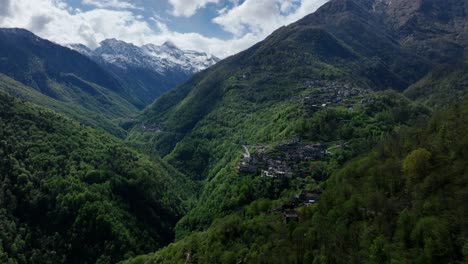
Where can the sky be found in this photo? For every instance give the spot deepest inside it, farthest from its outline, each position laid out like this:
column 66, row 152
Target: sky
column 218, row 27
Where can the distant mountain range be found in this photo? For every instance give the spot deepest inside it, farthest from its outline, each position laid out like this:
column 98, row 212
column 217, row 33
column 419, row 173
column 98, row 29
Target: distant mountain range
column 160, row 59
column 149, row 70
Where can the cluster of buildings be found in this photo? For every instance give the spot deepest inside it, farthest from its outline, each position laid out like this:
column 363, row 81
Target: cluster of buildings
column 328, row 93
column 278, row 162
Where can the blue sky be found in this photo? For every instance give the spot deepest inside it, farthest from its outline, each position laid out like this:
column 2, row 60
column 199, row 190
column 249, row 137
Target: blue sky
column 219, row 27
column 200, row 22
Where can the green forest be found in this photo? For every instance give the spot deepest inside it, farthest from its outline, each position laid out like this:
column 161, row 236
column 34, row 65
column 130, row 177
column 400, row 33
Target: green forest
column 71, row 194
column 339, row 138
column 402, row 202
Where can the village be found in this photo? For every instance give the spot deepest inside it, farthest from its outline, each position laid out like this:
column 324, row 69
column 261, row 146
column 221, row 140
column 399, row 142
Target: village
column 332, row 93
column 278, row 162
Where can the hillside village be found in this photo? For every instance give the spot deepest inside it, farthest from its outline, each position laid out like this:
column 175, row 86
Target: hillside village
column 282, row 162
column 333, row 93
column 279, row 161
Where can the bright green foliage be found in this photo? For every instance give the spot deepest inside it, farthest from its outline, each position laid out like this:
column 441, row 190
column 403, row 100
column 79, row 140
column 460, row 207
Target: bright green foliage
column 366, row 214
column 61, row 79
column 70, row 194
column 258, row 96
column 94, row 113
column 417, row 164
column 400, row 202
column 226, row 191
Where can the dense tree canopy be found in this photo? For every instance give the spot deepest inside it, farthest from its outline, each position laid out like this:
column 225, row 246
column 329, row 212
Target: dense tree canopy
column 70, row 194
column 403, row 202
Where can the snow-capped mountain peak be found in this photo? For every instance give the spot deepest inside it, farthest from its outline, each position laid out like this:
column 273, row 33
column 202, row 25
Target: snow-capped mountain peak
column 161, row 59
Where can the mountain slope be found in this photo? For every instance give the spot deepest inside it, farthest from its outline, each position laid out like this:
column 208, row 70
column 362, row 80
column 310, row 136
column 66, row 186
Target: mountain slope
column 87, row 113
column 432, row 29
column 402, row 202
column 344, row 40
column 65, row 76
column 314, row 80
column 70, row 194
column 304, row 144
column 442, row 86
column 147, row 71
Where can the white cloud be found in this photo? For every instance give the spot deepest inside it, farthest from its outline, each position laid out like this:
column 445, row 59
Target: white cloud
column 249, row 23
column 188, row 7
column 262, row 17
column 115, row 4
column 195, row 41
column 55, row 20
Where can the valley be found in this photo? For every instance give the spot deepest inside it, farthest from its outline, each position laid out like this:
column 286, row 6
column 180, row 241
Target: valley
column 339, row 138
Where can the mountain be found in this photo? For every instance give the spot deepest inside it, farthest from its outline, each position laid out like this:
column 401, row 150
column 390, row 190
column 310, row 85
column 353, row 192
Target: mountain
column 71, row 194
column 90, row 112
column 368, row 44
column 354, row 42
column 281, row 118
column 149, row 70
column 62, row 79
column 102, row 88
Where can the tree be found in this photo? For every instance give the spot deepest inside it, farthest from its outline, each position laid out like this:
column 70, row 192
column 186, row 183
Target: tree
column 416, row 165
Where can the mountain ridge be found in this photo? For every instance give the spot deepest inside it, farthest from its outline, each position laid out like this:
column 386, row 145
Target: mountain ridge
column 431, row 28
column 75, row 84
column 149, row 70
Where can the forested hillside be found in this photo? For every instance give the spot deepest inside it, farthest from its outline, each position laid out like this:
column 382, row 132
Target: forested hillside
column 403, row 202
column 443, row 86
column 70, row 194
column 105, row 118
column 103, row 92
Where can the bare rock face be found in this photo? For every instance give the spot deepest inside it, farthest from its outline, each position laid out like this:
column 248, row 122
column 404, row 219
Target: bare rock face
column 436, row 30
